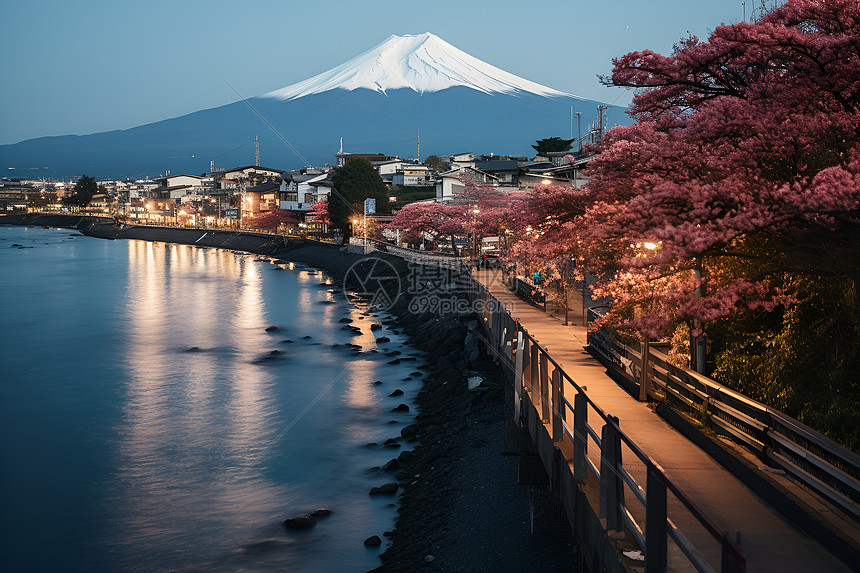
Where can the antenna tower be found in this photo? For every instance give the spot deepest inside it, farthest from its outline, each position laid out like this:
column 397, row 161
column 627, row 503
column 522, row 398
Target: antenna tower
column 257, row 150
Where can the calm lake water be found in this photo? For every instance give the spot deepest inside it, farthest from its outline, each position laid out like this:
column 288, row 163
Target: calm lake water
column 146, row 426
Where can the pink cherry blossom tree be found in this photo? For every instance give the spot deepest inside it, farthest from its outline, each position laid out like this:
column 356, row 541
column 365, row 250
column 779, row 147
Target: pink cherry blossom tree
column 751, row 138
column 319, row 213
column 439, row 220
column 752, row 133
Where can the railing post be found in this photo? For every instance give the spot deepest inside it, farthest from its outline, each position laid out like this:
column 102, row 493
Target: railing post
column 558, row 407
column 491, row 315
column 655, row 522
column 643, row 379
column 611, row 485
column 732, row 560
column 544, row 389
column 580, row 436
column 534, row 364
column 518, row 375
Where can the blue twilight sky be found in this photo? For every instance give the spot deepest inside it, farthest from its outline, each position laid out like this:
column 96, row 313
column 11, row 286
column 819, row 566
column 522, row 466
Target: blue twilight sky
column 97, row 65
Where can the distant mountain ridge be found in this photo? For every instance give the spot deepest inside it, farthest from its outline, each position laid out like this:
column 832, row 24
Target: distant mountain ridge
column 378, row 101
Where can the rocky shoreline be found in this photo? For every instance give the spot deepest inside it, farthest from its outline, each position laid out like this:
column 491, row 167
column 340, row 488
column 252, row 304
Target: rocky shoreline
column 460, row 506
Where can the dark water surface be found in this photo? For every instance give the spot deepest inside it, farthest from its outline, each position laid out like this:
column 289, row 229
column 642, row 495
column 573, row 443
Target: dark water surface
column 146, row 426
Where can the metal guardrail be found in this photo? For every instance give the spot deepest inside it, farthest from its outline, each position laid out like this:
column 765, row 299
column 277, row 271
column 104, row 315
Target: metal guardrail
column 817, row 462
column 411, row 255
column 528, row 292
column 539, row 375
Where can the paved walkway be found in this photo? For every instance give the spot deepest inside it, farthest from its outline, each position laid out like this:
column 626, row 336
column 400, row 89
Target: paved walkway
column 768, row 542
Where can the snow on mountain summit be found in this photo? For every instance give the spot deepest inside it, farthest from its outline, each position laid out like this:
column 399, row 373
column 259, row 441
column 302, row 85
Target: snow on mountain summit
column 421, row 62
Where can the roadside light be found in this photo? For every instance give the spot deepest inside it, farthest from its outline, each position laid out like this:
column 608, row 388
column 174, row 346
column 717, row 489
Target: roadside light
column 546, row 182
column 650, row 246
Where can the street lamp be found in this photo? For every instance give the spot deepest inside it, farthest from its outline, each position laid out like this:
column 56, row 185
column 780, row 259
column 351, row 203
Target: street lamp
column 475, row 212
column 646, row 341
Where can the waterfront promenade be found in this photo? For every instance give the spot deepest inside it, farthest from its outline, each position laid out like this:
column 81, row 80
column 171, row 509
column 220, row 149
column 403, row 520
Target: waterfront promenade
column 769, row 543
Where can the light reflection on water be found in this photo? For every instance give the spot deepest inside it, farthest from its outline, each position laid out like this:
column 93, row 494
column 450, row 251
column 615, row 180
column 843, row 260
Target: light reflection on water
column 194, row 448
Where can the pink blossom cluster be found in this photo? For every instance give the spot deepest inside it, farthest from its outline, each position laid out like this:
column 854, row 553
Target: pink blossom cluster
column 753, row 132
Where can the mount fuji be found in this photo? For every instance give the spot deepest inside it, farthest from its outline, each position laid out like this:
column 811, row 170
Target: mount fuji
column 379, row 101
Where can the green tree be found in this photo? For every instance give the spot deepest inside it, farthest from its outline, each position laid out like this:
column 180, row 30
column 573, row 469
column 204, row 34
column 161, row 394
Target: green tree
column 354, row 182
column 434, row 163
column 82, row 192
column 552, row 144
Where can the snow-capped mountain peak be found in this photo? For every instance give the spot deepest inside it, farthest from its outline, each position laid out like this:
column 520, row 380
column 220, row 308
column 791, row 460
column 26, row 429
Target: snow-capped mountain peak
column 421, row 62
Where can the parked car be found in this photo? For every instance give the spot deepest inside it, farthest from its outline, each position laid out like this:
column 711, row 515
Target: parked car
column 490, row 260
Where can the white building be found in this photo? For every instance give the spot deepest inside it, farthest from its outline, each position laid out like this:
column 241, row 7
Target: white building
column 247, row 175
column 411, row 175
column 452, row 183
column 180, row 180
column 296, row 195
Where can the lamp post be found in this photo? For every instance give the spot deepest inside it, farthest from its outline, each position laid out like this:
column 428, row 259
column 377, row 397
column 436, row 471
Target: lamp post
column 646, row 345
column 475, row 212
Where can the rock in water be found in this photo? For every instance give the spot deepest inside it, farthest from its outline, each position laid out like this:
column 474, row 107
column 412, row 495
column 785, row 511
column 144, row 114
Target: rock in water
column 321, row 512
column 303, row 521
column 373, row 541
column 385, row 489
column 391, row 465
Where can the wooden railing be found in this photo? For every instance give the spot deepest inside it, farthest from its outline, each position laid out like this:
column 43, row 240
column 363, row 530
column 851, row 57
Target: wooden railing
column 564, row 405
column 822, row 465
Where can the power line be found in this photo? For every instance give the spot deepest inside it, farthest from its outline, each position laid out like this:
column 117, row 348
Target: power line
column 269, row 125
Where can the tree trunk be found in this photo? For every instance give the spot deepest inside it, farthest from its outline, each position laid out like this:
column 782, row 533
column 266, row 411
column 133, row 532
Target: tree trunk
column 698, row 344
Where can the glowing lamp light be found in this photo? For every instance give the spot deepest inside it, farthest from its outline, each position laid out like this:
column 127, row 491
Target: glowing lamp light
column 650, row 246
column 546, row 182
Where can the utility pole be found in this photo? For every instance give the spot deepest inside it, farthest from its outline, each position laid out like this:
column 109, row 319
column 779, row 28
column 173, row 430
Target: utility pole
column 571, row 122
column 579, row 130
column 601, row 109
